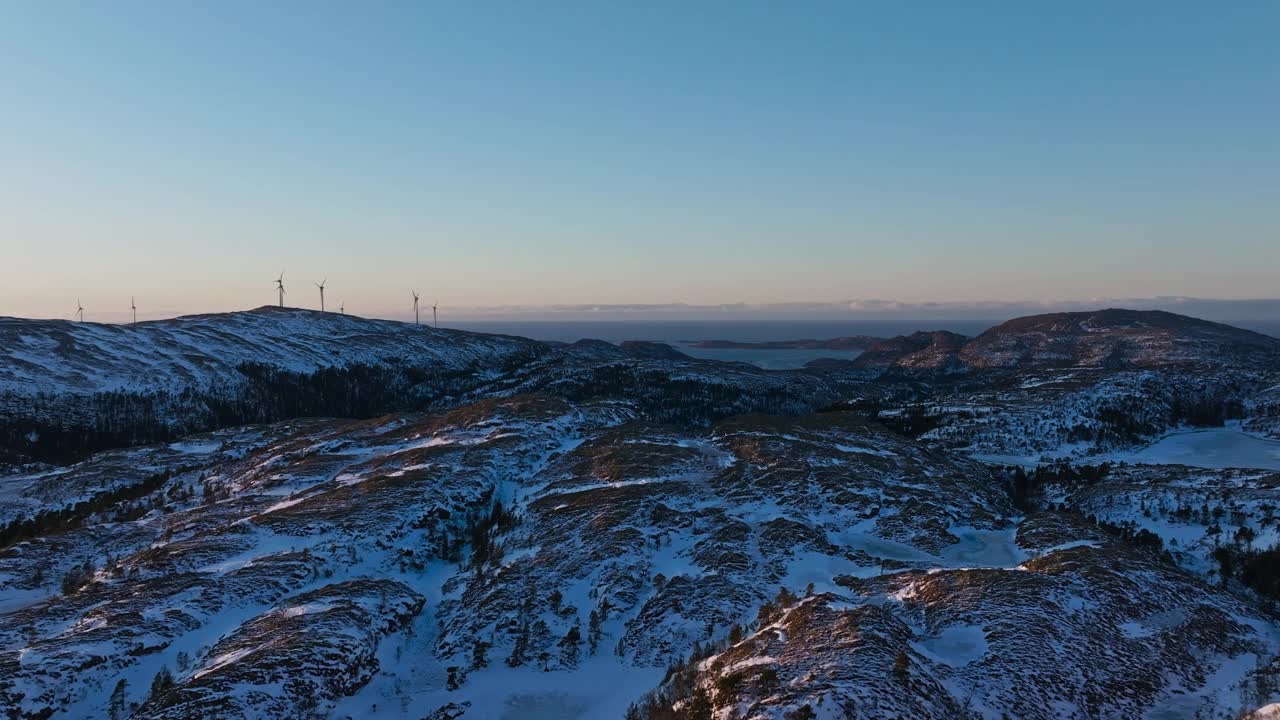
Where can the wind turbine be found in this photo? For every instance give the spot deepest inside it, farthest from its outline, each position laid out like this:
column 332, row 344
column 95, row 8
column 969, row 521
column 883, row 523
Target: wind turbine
column 321, row 286
column 435, row 319
column 415, row 307
column 133, row 306
column 79, row 310
column 280, row 287
column 342, row 307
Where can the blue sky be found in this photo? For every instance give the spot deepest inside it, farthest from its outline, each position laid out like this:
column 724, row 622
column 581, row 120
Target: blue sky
column 540, row 153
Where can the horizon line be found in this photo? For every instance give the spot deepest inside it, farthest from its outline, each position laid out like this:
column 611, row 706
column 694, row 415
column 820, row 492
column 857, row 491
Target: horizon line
column 792, row 311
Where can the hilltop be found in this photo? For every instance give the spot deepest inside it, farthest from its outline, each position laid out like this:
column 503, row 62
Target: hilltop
column 204, row 351
column 1119, row 338
column 1114, row 339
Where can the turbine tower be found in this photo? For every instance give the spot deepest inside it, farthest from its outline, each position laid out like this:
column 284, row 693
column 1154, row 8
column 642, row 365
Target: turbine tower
column 435, row 319
column 133, row 306
column 415, row 307
column 79, row 310
column 280, row 287
column 321, row 286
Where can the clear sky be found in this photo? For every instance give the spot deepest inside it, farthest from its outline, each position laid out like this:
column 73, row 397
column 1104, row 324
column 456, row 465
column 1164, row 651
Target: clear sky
column 706, row 152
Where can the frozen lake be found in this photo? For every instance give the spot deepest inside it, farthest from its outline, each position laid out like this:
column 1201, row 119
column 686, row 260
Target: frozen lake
column 1209, row 448
column 974, row 548
column 956, row 646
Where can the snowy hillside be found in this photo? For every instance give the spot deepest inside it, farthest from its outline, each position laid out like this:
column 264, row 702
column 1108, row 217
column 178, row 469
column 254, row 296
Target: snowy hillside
column 488, row 561
column 67, row 388
column 1114, row 339
column 203, row 352
column 486, row 527
column 1119, row 338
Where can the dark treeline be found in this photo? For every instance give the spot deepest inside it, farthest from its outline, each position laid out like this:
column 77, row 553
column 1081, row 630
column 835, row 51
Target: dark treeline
column 1131, row 533
column 1024, row 486
column 354, row 391
column 67, row 428
column 1024, row 493
column 1206, row 411
column 914, row 421
column 73, row 516
column 450, row 533
column 1133, row 421
column 1256, row 569
column 1117, row 425
column 79, row 425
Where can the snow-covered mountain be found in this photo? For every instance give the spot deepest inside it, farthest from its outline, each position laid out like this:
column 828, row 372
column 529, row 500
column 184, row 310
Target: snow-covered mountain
column 204, row 352
column 595, row 531
column 1113, row 339
column 1119, row 339
column 69, row 388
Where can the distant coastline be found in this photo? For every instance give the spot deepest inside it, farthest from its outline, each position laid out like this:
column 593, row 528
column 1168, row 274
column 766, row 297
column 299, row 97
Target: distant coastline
column 851, row 342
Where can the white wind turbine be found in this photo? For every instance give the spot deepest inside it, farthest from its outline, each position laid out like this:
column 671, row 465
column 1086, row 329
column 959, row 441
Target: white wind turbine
column 321, row 286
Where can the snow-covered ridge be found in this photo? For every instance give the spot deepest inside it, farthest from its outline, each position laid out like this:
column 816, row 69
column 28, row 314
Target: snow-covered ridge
column 67, row 389
column 202, row 352
column 1102, row 339
column 1119, row 338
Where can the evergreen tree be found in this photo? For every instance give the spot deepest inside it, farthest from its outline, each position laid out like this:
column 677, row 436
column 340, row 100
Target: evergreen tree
column 569, row 646
column 901, row 665
column 593, row 631
column 161, row 684
column 118, row 708
column 699, row 706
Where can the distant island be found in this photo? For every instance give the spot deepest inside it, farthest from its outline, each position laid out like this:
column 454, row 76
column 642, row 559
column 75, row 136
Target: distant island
column 852, row 342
